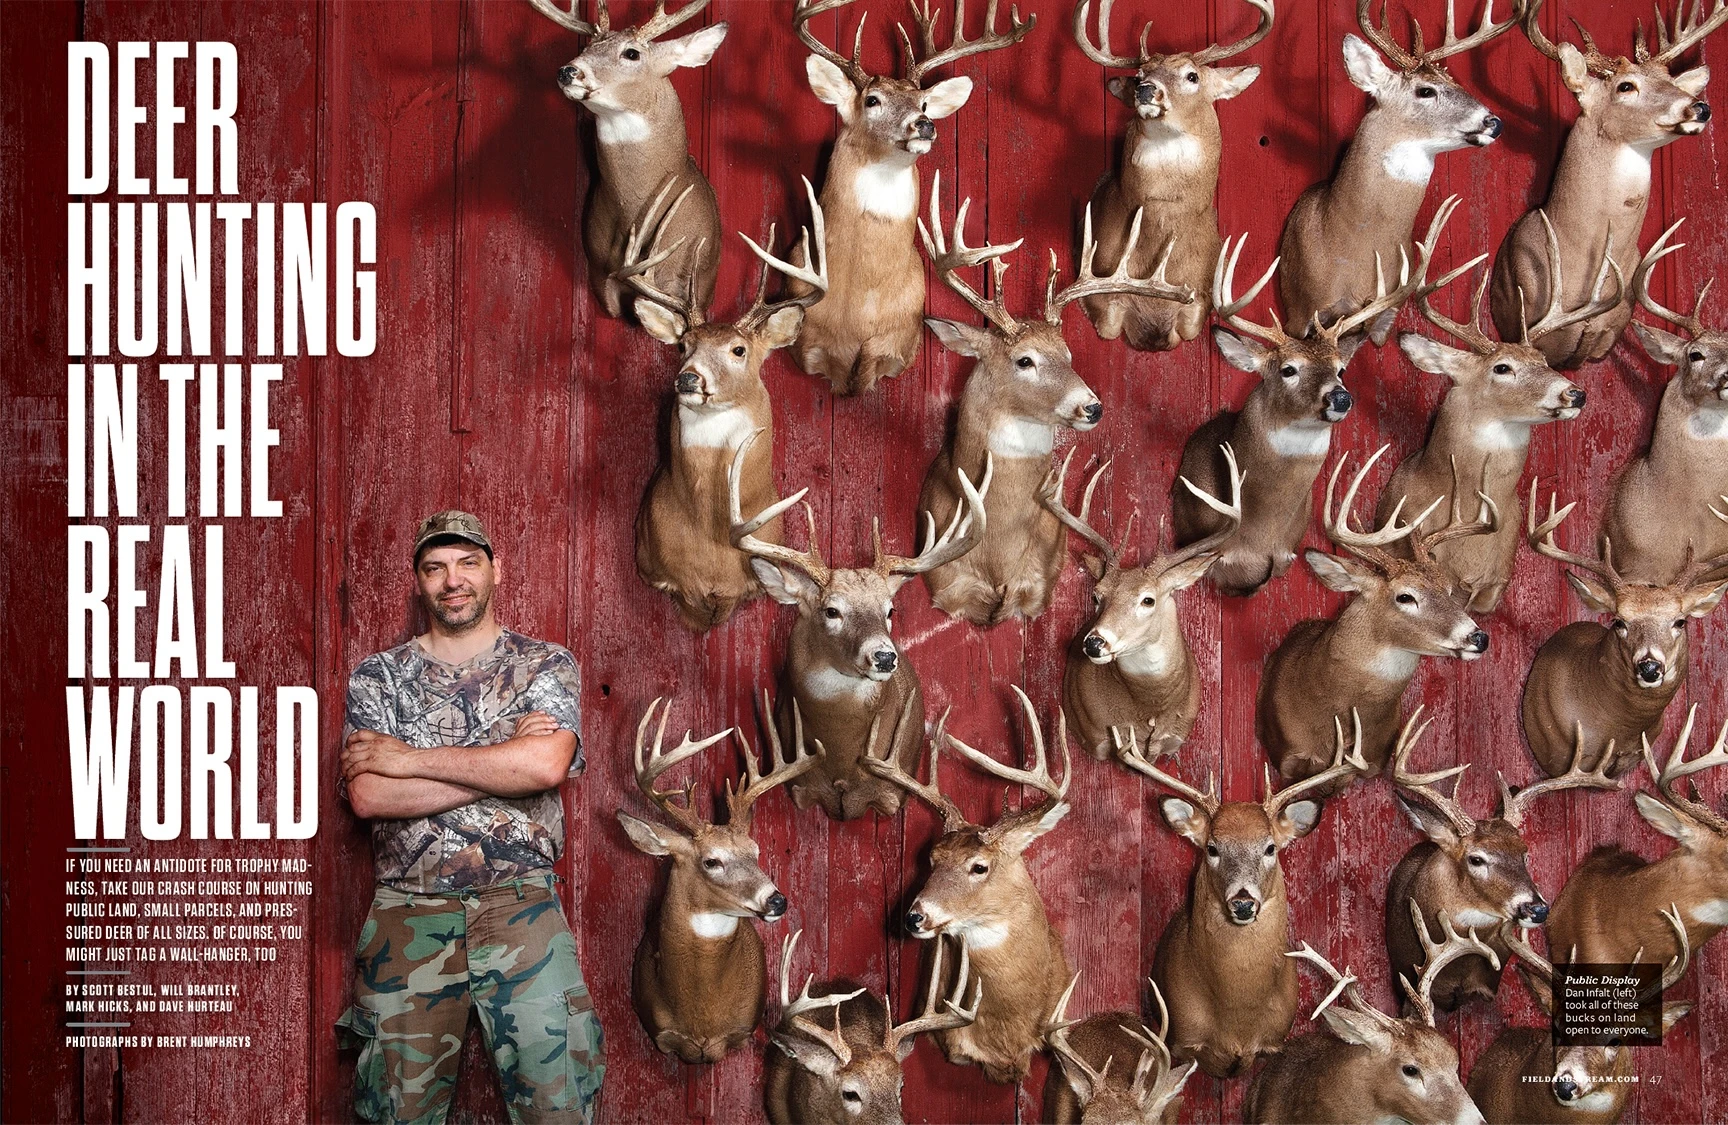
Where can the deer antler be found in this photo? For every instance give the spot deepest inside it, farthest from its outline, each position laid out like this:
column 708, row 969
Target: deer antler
column 743, row 531
column 1086, row 283
column 1469, row 333
column 947, row 261
column 1554, row 318
column 756, row 783
column 1668, row 778
column 889, row 769
column 1056, row 1034
column 1542, row 539
column 990, row 40
column 1487, row 521
column 807, row 10
column 1437, row 955
column 1226, row 307
column 1694, row 323
column 1421, row 785
column 1050, row 495
column 965, row 530
column 1347, row 763
column 1232, row 513
column 957, row 1014
column 1418, row 56
column 1687, row 33
column 638, row 263
column 660, row 23
column 816, row 277
column 1366, row 545
column 1038, row 777
column 793, row 1012
column 1132, row 757
column 1100, row 53
column 567, row 18
column 1514, row 805
column 1409, row 281
column 1598, row 63
column 1344, row 984
column 1217, row 52
column 651, row 763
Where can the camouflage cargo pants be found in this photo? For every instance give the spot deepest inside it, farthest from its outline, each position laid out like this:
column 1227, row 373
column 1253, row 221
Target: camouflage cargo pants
column 505, row 951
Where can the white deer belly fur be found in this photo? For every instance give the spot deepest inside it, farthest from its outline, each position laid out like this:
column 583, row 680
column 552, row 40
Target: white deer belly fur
column 723, row 429
column 831, row 683
column 886, row 191
column 1301, row 439
column 1411, row 162
column 713, row 926
column 619, row 126
column 1016, row 437
column 1711, row 913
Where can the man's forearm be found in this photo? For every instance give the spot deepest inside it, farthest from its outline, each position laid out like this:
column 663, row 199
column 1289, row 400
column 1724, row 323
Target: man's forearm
column 376, row 797
column 516, row 767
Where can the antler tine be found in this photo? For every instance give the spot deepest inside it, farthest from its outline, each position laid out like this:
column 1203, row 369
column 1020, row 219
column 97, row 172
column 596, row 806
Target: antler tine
column 1486, row 30
column 635, row 268
column 1668, row 778
column 1050, row 495
column 792, row 1012
column 758, row 782
column 812, row 272
column 1541, row 538
column 1056, row 1034
column 1132, row 757
column 1381, row 37
column 567, row 19
column 989, row 40
column 1555, row 318
column 1692, row 31
column 1366, row 545
column 965, row 530
column 1676, row 967
column 1347, row 763
column 889, row 769
column 1422, row 785
column 1099, row 52
column 1693, row 324
column 1344, row 984
column 1487, row 519
column 1232, row 512
column 743, row 531
column 1218, row 52
column 805, row 11
column 1087, row 283
column 1437, row 955
column 1514, row 806
column 947, row 261
column 660, row 23
column 1512, row 936
column 1599, row 64
column 956, row 1013
column 1226, row 307
column 1469, row 333
column 650, row 763
column 1038, row 777
column 1409, row 280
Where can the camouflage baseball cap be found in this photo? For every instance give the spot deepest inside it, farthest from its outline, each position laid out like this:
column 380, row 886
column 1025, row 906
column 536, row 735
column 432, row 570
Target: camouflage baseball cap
column 451, row 524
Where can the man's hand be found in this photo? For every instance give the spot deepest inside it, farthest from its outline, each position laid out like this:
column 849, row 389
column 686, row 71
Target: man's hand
column 368, row 751
column 535, row 724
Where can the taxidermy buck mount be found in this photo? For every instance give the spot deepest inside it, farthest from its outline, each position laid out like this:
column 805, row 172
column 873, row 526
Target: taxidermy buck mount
column 837, row 1057
column 1168, row 170
column 1362, row 660
column 1370, row 206
column 871, row 328
column 1614, row 680
column 1022, row 388
column 1221, row 958
column 700, row 980
column 1672, row 496
column 1131, row 668
column 1499, row 390
column 847, row 679
column 1371, row 1067
column 623, row 77
column 1629, row 108
column 980, row 895
column 683, row 530
column 1475, row 872
column 1284, row 430
column 1080, row 1090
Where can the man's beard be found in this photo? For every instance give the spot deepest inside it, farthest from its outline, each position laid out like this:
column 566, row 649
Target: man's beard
column 460, row 619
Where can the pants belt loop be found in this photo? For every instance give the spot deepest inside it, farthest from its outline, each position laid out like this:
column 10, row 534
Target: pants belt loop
column 521, row 892
column 410, row 900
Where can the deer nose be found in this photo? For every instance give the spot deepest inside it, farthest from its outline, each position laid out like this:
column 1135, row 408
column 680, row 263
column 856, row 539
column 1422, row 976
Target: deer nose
column 884, row 659
column 1338, row 403
column 1243, row 909
column 566, row 75
column 1092, row 646
column 689, row 382
column 1649, row 671
column 1476, row 642
column 1535, row 913
column 1574, row 398
column 1564, row 1088
column 776, row 906
column 1491, row 125
column 1093, row 411
column 1700, row 111
column 914, row 921
column 925, row 128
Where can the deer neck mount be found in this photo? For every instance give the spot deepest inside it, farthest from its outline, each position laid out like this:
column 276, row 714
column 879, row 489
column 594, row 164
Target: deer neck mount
column 1168, row 170
column 688, row 990
column 980, row 895
column 1419, row 112
column 1081, row 1088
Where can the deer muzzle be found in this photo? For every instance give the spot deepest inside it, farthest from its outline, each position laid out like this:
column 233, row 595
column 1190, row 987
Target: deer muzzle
column 883, row 662
column 1530, row 913
column 574, row 83
column 689, row 383
column 1571, row 403
column 1096, row 646
column 920, row 924
column 1649, row 672
column 1243, row 908
column 1565, row 1089
column 1474, row 645
column 1151, row 100
column 1336, row 403
column 1486, row 132
column 774, row 908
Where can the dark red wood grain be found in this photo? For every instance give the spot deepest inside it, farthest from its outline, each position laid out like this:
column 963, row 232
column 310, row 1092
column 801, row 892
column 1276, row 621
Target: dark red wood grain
column 498, row 387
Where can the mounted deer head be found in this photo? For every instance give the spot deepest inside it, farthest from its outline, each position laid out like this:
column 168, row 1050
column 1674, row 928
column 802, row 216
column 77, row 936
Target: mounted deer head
column 1080, row 1088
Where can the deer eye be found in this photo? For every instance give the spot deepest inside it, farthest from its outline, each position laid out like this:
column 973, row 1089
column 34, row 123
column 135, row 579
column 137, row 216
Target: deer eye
column 1627, row 88
column 1288, row 371
column 1148, row 600
column 1406, row 598
column 1271, row 849
column 738, row 349
column 1502, row 369
column 1192, row 76
column 1695, row 356
column 1212, row 850
column 1411, row 1070
column 1679, row 624
column 1024, row 361
column 831, row 613
column 872, row 101
column 1424, row 91
column 851, row 1095
column 632, row 53
column 980, row 868
column 1478, row 861
column 711, row 863
column 1617, row 625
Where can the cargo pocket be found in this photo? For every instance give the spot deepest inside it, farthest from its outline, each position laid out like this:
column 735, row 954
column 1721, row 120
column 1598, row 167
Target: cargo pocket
column 358, row 1027
column 587, row 1050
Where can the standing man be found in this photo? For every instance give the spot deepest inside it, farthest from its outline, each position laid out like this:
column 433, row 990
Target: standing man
column 456, row 744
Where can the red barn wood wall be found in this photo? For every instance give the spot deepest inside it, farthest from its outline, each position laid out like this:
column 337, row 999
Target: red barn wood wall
column 497, row 388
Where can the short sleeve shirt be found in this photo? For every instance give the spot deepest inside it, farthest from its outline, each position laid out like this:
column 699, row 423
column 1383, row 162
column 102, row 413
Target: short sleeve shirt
column 411, row 695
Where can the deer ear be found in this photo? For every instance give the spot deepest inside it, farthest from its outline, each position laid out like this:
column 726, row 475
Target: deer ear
column 1591, row 592
column 961, row 339
column 781, row 328
column 1364, row 67
column 1185, row 820
column 1663, row 347
column 1094, row 566
column 659, row 321
column 1300, row 818
column 1337, row 573
column 831, row 86
column 1663, row 818
column 1693, row 81
column 1574, row 70
column 1348, row 345
column 1018, row 839
column 1228, row 81
column 1429, row 823
column 786, row 585
column 1431, row 355
column 1240, row 353
column 1184, row 574
column 650, row 838
column 813, row 1057
column 1700, row 600
column 1354, row 1027
column 1674, row 1012
column 694, row 49
column 1121, row 86
column 946, row 97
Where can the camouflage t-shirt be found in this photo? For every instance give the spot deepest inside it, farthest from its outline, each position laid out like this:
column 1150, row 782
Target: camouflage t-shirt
column 413, row 696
